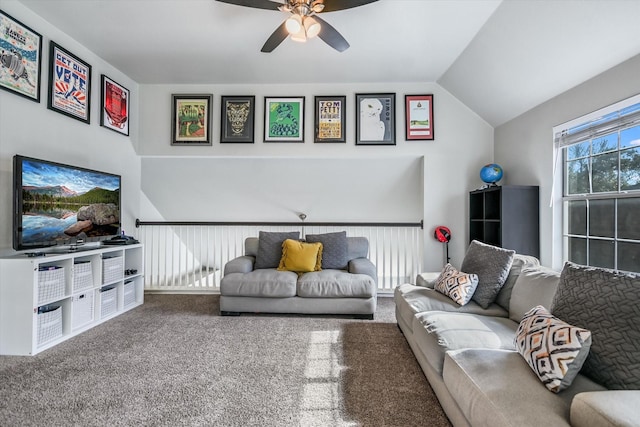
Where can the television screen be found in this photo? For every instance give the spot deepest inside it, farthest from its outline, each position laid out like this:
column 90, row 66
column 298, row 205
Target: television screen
column 57, row 204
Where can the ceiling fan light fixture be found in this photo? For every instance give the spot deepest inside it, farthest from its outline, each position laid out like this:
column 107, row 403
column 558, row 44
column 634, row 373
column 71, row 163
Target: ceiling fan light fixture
column 300, row 36
column 311, row 26
column 294, row 24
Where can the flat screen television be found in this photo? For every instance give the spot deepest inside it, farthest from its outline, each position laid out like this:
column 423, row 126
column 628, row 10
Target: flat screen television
column 56, row 204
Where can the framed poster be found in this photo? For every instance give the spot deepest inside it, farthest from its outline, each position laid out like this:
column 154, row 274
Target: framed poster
column 237, row 119
column 375, row 119
column 330, row 120
column 418, row 112
column 20, row 58
column 69, row 84
column 114, row 106
column 284, row 119
column 191, row 119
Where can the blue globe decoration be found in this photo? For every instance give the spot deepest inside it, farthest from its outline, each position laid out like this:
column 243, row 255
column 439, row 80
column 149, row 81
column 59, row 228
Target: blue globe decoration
column 491, row 173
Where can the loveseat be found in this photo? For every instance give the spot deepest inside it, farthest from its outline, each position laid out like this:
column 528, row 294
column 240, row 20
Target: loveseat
column 267, row 279
column 475, row 356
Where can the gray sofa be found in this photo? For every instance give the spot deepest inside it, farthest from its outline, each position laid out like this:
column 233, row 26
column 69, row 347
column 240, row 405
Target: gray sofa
column 468, row 355
column 350, row 290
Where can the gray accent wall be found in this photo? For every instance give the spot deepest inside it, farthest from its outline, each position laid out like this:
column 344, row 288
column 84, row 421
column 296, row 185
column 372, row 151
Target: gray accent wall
column 524, row 145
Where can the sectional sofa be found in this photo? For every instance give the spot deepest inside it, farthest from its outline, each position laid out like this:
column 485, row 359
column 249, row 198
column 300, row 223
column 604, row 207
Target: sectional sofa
column 495, row 361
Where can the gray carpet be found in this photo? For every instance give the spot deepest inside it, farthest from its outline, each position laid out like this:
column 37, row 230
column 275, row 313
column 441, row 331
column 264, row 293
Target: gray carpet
column 175, row 362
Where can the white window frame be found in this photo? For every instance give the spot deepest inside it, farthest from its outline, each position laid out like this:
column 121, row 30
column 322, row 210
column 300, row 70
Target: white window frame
column 558, row 250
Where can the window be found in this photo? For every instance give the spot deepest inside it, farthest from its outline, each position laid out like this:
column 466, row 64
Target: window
column 601, row 188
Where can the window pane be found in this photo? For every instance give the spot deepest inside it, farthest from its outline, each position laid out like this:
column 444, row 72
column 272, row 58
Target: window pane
column 602, row 218
column 629, row 219
column 601, row 253
column 629, row 256
column 630, row 169
column 605, row 172
column 577, row 151
column 605, row 143
column 630, row 137
column 577, row 217
column 578, row 250
column 578, row 176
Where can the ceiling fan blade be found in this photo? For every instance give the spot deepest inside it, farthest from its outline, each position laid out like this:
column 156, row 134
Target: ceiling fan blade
column 333, row 5
column 275, row 38
column 331, row 36
column 258, row 4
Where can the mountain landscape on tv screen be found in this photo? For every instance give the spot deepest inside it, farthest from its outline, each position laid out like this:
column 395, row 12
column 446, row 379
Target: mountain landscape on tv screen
column 59, row 203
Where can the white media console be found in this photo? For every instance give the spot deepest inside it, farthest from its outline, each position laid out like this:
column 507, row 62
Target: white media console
column 47, row 299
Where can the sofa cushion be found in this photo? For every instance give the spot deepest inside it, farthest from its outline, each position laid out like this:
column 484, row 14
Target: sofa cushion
column 411, row 299
column 535, row 286
column 497, row 388
column 520, row 262
column 606, row 303
column 437, row 332
column 268, row 283
column 335, row 284
column 554, row 349
column 300, row 257
column 456, row 285
column 334, row 249
column 605, row 408
column 492, row 265
column 270, row 247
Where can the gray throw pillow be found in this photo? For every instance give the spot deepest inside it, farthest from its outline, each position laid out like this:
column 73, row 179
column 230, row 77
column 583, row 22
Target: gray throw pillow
column 270, row 247
column 605, row 302
column 492, row 265
column 334, row 249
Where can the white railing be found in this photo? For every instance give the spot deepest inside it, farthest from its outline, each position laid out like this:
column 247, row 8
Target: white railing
column 190, row 256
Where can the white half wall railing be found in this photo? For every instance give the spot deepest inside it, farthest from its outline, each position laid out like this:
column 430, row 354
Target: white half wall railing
column 183, row 257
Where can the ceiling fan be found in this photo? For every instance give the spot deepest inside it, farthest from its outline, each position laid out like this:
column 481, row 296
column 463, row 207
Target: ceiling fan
column 304, row 22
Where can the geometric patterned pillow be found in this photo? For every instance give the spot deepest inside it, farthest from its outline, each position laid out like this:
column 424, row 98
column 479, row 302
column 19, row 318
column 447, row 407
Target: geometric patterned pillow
column 554, row 349
column 456, row 285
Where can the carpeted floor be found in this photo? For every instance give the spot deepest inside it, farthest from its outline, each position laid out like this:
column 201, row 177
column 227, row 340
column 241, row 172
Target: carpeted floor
column 175, row 362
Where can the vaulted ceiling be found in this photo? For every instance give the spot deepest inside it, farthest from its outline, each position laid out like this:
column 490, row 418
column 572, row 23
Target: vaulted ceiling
column 500, row 57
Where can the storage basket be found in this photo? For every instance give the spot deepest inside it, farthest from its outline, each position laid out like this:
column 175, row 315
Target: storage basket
column 50, row 283
column 82, row 309
column 82, row 276
column 129, row 293
column 112, row 269
column 108, row 301
column 49, row 323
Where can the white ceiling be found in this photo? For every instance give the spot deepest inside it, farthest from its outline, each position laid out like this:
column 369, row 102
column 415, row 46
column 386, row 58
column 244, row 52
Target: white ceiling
column 500, row 58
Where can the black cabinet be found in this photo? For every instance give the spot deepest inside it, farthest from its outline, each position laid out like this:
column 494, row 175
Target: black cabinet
column 507, row 216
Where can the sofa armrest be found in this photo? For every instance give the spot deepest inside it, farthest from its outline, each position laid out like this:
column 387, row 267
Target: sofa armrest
column 427, row 279
column 605, row 408
column 241, row 264
column 363, row 266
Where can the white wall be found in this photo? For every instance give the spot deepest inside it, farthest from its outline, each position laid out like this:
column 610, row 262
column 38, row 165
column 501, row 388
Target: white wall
column 30, row 129
column 524, row 145
column 410, row 181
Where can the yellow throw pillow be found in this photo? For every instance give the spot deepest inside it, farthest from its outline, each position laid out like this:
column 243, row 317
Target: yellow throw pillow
column 300, row 257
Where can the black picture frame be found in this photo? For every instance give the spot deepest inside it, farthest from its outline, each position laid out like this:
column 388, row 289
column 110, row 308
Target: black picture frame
column 20, row 73
column 191, row 119
column 284, row 118
column 330, row 119
column 375, row 119
column 115, row 106
column 237, row 119
column 70, row 82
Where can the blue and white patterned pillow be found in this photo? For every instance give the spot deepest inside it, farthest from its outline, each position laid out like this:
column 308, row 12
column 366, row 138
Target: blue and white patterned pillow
column 456, row 285
column 554, row 349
